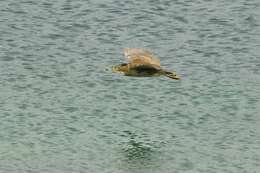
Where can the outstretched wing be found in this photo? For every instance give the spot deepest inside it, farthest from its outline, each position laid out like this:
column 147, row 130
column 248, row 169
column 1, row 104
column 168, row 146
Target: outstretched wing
column 140, row 57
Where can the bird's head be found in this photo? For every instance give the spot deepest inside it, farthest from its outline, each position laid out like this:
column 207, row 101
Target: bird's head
column 120, row 68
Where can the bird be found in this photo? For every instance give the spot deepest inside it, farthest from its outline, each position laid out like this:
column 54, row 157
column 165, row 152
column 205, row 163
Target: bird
column 142, row 63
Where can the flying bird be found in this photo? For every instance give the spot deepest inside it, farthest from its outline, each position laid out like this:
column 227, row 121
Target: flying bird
column 142, row 63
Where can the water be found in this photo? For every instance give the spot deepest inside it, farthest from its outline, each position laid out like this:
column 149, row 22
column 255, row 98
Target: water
column 62, row 112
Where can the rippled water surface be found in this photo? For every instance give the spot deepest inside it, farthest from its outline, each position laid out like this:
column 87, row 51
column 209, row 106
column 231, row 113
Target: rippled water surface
column 62, row 112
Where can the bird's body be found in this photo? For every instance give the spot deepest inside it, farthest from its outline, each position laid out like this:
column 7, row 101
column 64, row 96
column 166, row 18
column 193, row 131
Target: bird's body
column 142, row 63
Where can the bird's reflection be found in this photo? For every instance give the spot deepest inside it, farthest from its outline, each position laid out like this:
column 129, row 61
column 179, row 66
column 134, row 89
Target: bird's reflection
column 137, row 151
column 137, row 154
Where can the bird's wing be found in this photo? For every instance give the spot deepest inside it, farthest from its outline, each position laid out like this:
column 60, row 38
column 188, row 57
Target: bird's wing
column 138, row 57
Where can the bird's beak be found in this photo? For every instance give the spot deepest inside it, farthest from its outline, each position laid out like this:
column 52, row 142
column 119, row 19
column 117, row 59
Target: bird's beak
column 114, row 69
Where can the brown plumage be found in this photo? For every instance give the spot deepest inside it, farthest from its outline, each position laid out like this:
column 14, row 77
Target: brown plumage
column 142, row 63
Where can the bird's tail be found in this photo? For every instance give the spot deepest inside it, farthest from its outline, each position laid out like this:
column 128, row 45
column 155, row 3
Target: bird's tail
column 171, row 75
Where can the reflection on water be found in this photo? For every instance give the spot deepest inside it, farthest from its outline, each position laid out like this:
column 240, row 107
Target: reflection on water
column 137, row 150
column 138, row 156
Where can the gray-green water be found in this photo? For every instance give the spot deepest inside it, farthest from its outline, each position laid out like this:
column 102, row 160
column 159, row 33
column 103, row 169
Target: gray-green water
column 61, row 112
